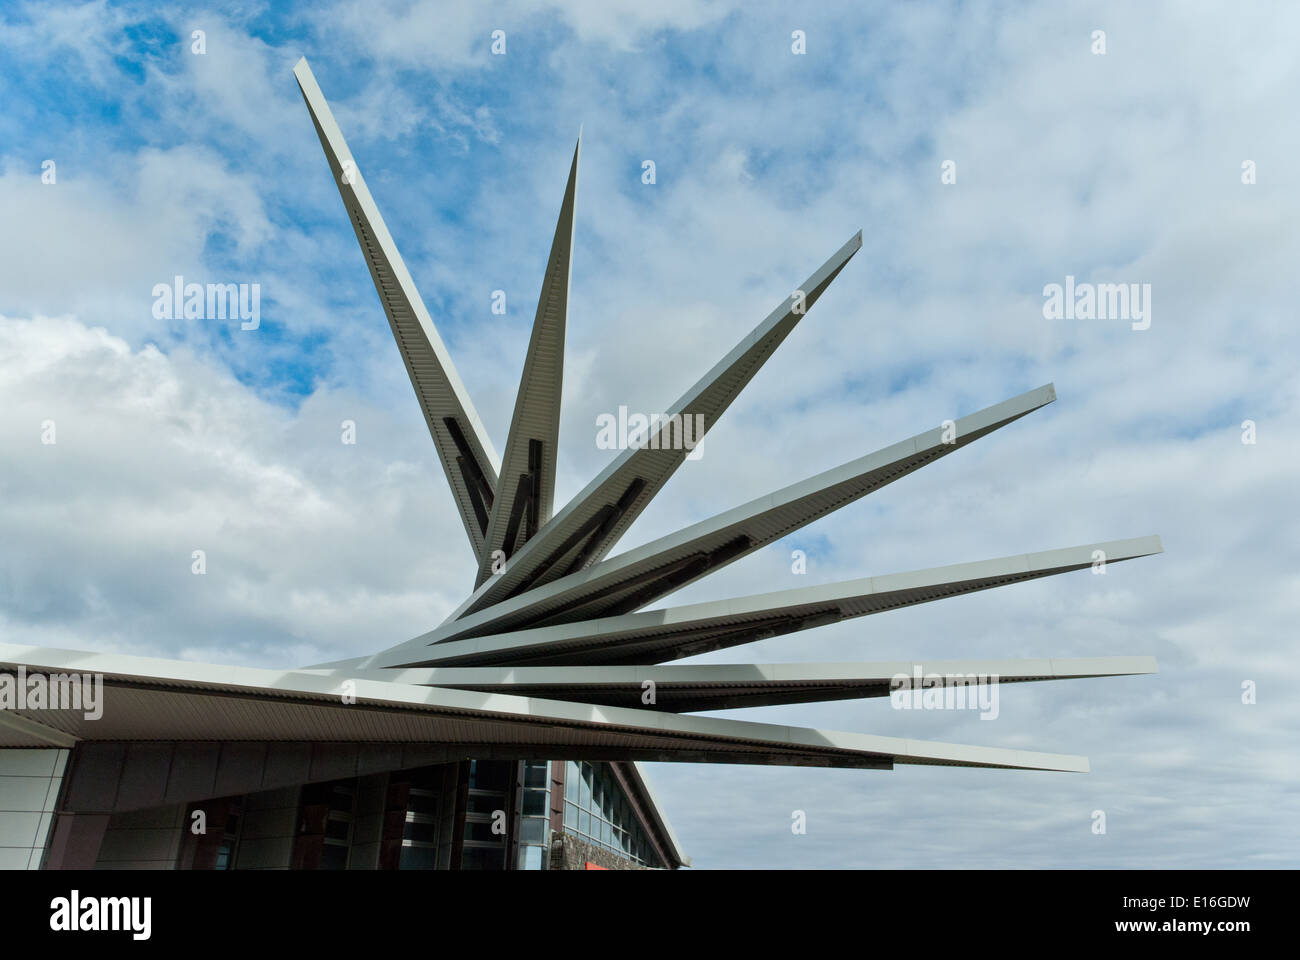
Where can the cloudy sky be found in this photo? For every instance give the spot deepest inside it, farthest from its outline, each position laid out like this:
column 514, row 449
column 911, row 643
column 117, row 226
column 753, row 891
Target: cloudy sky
column 1125, row 166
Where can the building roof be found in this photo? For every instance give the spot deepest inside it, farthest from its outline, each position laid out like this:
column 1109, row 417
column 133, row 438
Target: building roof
column 149, row 698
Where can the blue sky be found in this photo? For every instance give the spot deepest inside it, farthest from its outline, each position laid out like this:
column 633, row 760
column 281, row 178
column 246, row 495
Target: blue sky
column 1122, row 167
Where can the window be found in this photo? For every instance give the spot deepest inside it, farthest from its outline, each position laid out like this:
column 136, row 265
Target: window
column 484, row 838
column 494, row 775
column 601, row 814
column 420, row 832
column 413, row 832
column 534, row 809
column 532, row 830
column 483, row 858
column 482, row 833
column 230, row 835
column 423, row 803
column 535, row 803
column 419, row 858
column 324, row 826
column 334, row 857
column 530, row 858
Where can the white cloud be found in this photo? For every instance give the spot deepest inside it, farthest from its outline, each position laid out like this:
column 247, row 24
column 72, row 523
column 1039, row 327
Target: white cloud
column 96, row 241
column 431, row 35
column 90, row 32
column 313, row 548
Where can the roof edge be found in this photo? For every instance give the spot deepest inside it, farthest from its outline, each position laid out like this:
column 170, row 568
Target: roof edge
column 637, row 772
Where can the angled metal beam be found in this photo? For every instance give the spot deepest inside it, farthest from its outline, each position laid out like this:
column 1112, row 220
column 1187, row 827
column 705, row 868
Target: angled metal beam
column 463, row 446
column 145, row 698
column 529, row 461
column 18, row 731
column 654, row 636
column 730, row 685
column 588, row 527
column 633, row 579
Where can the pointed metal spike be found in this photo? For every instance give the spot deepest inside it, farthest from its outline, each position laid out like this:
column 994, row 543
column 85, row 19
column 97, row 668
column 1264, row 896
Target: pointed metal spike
column 530, row 454
column 641, row 576
column 463, row 446
column 655, row 636
column 725, row 686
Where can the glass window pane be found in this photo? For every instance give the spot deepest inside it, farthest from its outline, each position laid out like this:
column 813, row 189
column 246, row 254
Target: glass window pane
column 532, row 830
column 584, row 822
column 483, row 858
column 426, row 778
column 334, row 857
column 421, row 803
column 491, row 774
column 418, row 858
column 423, row 832
column 571, row 816
column 486, row 803
column 483, row 832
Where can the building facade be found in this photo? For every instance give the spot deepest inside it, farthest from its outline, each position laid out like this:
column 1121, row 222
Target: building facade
column 96, row 808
